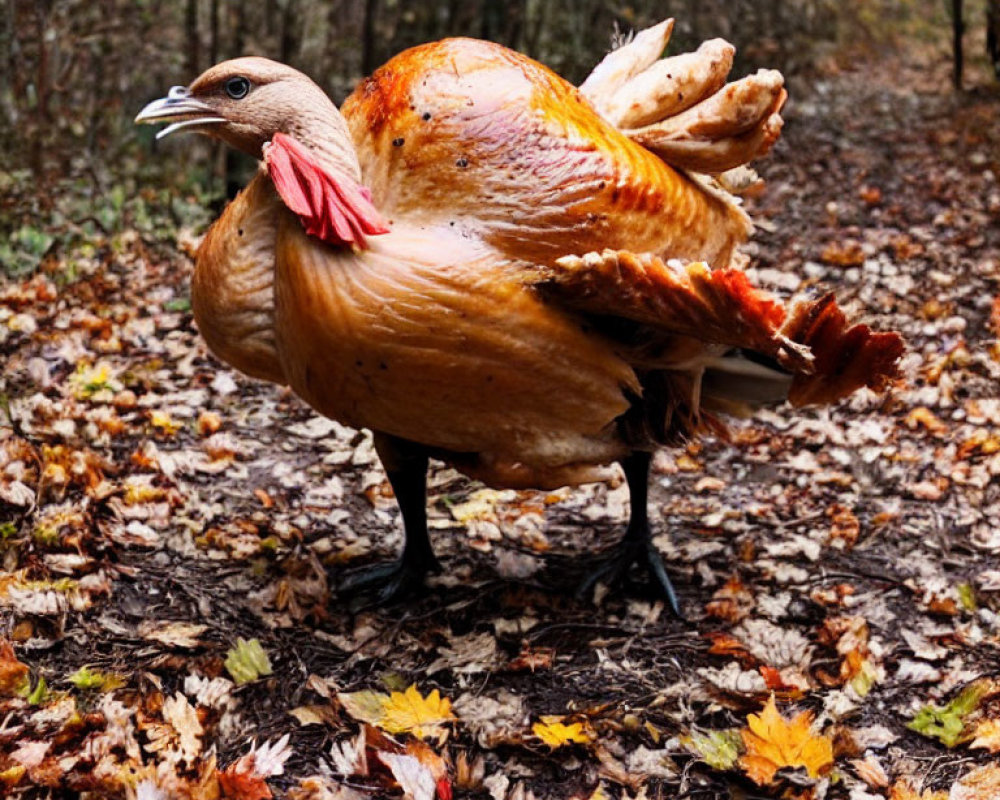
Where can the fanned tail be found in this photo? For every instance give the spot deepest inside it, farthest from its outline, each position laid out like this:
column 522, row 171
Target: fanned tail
column 827, row 358
column 681, row 107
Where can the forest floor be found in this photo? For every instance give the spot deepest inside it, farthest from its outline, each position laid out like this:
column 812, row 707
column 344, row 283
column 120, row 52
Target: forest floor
column 155, row 508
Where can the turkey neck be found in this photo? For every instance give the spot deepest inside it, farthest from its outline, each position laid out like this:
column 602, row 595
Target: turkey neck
column 321, row 128
column 232, row 294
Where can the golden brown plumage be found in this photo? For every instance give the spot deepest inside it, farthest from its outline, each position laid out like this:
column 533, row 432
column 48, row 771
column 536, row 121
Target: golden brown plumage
column 478, row 329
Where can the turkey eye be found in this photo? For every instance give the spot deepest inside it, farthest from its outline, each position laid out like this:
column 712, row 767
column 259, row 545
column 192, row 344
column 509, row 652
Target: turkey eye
column 238, row 88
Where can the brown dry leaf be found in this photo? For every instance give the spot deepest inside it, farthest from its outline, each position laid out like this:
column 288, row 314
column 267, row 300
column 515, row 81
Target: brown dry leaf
column 314, row 715
column 870, row 195
column 848, row 253
column 845, row 526
column 923, row 417
column 982, row 783
column 995, row 316
column 903, row 790
column 772, row 743
column 982, row 441
column 12, row 671
column 725, row 644
column 531, row 659
column 208, row 423
column 173, row 634
column 732, row 602
column 870, row 770
column 184, row 719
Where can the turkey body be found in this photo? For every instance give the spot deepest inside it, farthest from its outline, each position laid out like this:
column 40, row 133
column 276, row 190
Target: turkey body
column 488, row 166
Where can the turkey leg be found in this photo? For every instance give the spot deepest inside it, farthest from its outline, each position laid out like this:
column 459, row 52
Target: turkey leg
column 406, row 466
column 637, row 545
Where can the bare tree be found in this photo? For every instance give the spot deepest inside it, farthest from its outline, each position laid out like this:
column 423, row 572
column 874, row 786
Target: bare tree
column 993, row 34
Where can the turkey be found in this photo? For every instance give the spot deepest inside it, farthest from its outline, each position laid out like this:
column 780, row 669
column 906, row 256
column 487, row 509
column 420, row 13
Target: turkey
column 484, row 264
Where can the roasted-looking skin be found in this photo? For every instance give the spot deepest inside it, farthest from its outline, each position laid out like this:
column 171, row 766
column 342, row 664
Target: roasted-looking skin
column 470, row 132
column 486, row 163
column 479, row 262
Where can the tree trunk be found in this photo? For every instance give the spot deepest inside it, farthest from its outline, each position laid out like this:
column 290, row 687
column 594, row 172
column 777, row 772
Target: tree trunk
column 42, row 85
column 289, row 31
column 993, row 34
column 957, row 29
column 213, row 42
column 191, row 32
column 369, row 58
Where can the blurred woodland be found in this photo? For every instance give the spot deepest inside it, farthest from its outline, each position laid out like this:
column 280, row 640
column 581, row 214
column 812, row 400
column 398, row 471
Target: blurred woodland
column 76, row 71
column 73, row 165
column 173, row 534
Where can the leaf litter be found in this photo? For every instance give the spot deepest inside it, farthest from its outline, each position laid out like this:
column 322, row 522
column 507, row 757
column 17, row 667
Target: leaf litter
column 172, row 534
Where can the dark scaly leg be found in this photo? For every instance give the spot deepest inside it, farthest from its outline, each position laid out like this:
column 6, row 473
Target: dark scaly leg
column 406, row 466
column 637, row 546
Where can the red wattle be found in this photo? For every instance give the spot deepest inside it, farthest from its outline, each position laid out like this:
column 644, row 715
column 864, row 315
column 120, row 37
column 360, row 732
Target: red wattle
column 334, row 209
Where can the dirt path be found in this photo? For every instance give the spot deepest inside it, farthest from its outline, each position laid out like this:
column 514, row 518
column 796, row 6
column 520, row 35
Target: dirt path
column 845, row 561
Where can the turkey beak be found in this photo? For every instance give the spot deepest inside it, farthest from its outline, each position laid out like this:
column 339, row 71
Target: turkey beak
column 180, row 109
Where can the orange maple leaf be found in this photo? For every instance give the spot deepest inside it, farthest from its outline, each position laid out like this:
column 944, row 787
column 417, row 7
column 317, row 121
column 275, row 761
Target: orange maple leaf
column 772, row 743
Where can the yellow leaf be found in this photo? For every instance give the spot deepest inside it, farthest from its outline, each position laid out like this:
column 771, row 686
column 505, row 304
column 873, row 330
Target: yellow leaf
column 772, row 743
column 400, row 712
column 987, row 735
column 555, row 733
column 366, row 706
column 247, row 661
column 409, row 712
column 163, row 421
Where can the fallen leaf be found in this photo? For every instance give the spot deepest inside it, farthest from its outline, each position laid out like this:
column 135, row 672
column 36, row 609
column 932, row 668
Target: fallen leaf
column 246, row 778
column 12, row 672
column 400, row 712
column 247, row 661
column 987, row 735
column 413, row 777
column 163, row 422
column 903, row 790
column 870, row 770
column 173, row 634
column 88, row 679
column 184, row 719
column 555, row 733
column 409, row 712
column 718, row 749
column 947, row 724
column 772, row 743
column 923, row 417
column 982, row 783
column 845, row 527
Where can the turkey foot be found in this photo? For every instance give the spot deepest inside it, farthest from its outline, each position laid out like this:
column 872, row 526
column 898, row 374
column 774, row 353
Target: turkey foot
column 637, row 546
column 406, row 466
column 385, row 584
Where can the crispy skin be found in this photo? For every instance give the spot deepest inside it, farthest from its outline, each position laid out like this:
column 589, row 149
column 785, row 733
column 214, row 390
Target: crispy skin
column 495, row 175
column 232, row 291
column 471, row 134
column 434, row 338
